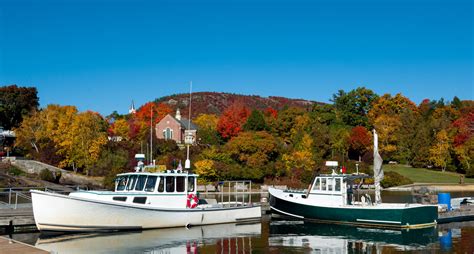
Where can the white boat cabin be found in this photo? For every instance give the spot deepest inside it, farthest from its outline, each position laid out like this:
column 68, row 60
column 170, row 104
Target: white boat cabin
column 169, row 189
column 330, row 189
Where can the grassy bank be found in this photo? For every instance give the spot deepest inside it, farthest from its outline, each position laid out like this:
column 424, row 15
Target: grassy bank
column 422, row 175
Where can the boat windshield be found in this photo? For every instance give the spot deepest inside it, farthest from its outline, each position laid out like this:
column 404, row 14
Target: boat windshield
column 121, row 182
column 131, row 182
column 140, row 183
column 150, row 183
column 191, row 184
column 180, row 183
column 170, row 184
column 317, row 184
column 161, row 185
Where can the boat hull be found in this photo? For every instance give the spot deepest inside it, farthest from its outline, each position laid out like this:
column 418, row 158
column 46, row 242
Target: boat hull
column 56, row 212
column 415, row 216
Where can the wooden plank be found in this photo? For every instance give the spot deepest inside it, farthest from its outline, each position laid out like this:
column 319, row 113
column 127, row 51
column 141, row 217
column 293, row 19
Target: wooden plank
column 9, row 246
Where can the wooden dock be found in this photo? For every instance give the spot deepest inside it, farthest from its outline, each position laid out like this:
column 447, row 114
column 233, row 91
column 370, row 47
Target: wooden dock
column 16, row 220
column 10, row 246
column 465, row 213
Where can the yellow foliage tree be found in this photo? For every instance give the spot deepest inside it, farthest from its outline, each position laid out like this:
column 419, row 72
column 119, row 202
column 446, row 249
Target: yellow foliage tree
column 86, row 137
column 121, row 128
column 439, row 152
column 206, row 121
column 386, row 127
column 301, row 158
column 205, row 168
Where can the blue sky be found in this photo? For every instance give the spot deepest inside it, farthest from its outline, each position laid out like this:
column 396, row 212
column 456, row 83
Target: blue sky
column 99, row 55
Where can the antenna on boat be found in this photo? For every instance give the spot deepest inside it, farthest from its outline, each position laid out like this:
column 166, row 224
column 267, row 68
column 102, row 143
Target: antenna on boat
column 187, row 164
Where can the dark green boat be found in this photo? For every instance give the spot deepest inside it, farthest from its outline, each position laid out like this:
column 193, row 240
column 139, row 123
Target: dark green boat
column 330, row 199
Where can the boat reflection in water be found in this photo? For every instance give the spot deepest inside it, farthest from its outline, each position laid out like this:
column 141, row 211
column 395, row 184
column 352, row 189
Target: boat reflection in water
column 172, row 240
column 331, row 238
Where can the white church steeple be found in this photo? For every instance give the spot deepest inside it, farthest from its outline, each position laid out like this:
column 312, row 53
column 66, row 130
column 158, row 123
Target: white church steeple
column 178, row 115
column 132, row 110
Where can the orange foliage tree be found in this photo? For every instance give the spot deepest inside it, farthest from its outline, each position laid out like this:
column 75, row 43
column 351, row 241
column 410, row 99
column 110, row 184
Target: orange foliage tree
column 360, row 140
column 232, row 120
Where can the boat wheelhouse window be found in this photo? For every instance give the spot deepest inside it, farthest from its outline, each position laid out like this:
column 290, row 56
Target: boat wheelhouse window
column 140, row 182
column 170, row 184
column 131, row 182
column 150, row 183
column 120, row 198
column 317, row 184
column 139, row 200
column 191, row 184
column 180, row 183
column 330, row 184
column 161, row 185
column 323, row 184
column 338, row 184
column 121, row 183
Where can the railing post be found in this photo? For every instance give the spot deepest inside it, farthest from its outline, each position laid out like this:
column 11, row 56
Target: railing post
column 16, row 199
column 10, row 196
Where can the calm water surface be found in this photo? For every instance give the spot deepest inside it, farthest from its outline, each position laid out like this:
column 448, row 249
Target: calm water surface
column 269, row 236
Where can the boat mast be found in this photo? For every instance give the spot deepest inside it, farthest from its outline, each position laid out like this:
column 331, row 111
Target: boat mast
column 151, row 135
column 378, row 171
column 187, row 164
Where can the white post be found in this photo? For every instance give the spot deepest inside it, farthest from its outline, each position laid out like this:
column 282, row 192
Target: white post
column 151, row 135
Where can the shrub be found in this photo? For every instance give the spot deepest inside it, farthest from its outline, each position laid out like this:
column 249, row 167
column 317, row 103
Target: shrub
column 15, row 171
column 46, row 175
column 394, row 179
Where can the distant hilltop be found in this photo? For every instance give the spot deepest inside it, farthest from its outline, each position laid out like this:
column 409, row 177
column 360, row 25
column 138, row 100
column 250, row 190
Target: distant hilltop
column 216, row 103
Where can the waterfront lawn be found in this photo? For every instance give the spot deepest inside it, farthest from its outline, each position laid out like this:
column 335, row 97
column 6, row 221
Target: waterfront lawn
column 423, row 175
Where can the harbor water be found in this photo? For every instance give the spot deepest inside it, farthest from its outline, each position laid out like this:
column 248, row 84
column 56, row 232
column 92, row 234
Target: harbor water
column 268, row 236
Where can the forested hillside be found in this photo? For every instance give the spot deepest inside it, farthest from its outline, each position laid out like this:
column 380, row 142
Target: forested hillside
column 263, row 139
column 216, row 103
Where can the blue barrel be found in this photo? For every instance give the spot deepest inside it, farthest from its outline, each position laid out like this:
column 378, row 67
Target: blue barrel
column 445, row 199
column 446, row 241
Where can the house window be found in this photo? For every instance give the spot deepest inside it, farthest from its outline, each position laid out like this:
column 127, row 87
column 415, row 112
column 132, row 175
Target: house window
column 168, row 134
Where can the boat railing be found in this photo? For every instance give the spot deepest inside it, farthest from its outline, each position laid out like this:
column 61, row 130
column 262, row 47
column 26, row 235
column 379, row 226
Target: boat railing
column 232, row 193
column 19, row 197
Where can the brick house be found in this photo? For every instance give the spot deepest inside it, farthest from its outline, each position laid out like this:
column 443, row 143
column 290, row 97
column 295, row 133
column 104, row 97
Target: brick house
column 173, row 128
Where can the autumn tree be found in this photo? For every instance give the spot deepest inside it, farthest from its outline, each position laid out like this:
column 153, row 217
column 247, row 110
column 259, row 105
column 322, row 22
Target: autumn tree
column 385, row 117
column 300, row 159
column 253, row 149
column 206, row 121
column 77, row 138
column 207, row 133
column 360, row 140
column 231, row 122
column 339, row 140
column 149, row 109
column 285, row 123
column 15, row 103
column 439, row 152
column 120, row 128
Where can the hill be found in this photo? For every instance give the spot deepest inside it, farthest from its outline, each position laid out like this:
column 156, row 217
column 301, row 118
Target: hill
column 216, row 103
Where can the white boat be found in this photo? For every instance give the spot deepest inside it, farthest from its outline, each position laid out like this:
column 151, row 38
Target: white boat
column 141, row 200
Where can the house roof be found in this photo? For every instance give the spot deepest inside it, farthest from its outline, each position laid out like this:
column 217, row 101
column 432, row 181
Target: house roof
column 184, row 123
